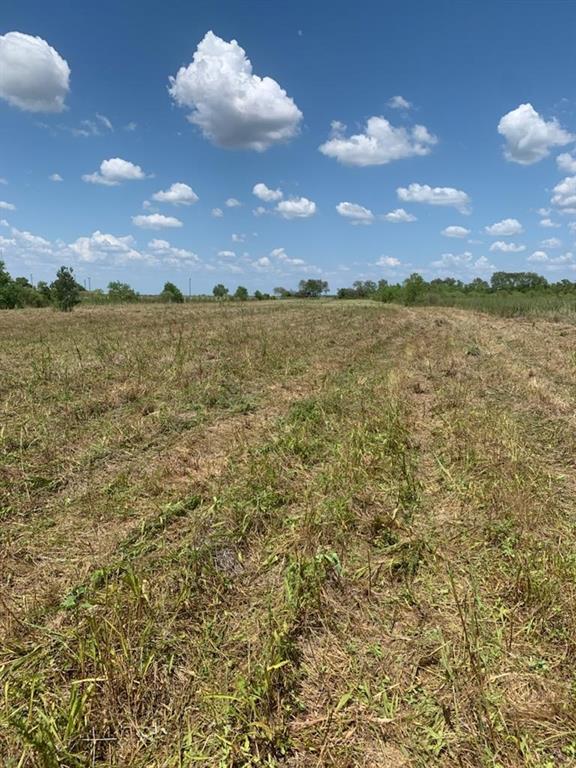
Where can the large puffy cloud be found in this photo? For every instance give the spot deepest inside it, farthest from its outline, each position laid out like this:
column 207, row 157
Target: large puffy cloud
column 399, row 216
column 423, row 193
column 100, row 246
column 23, row 243
column 114, row 171
column 455, row 231
column 564, row 194
column 381, row 143
column 505, row 228
column 529, row 138
column 296, row 208
column 177, row 194
column 355, row 213
column 156, row 221
column 33, row 76
column 7, row 206
column 232, row 106
column 503, row 247
column 266, row 194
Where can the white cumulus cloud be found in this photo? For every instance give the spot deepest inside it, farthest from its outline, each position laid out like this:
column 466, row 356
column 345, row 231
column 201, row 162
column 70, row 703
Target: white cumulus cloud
column 564, row 193
column 552, row 242
column 399, row 216
column 156, row 221
column 177, row 194
column 503, row 247
column 296, row 208
column 423, row 193
column 232, row 106
column 113, row 172
column 7, row 206
column 388, row 261
column 217, row 213
column 232, row 203
column 266, row 194
column 505, row 228
column 457, row 261
column 355, row 213
column 168, row 254
column 529, row 138
column 381, row 143
column 455, row 231
column 538, row 256
column 553, row 262
column 549, row 224
column 100, row 246
column 56, row 177
column 566, row 163
column 399, row 102
column 33, row 76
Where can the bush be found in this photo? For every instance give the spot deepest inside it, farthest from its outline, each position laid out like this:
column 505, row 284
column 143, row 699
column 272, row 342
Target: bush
column 65, row 291
column 121, row 292
column 171, row 294
column 241, row 293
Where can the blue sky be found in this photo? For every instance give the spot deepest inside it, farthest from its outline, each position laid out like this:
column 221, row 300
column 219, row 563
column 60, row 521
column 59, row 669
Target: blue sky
column 388, row 138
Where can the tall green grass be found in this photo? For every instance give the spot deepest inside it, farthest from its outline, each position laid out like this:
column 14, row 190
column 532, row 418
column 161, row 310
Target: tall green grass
column 513, row 304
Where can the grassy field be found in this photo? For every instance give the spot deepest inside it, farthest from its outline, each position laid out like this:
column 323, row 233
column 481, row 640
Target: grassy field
column 287, row 534
column 534, row 305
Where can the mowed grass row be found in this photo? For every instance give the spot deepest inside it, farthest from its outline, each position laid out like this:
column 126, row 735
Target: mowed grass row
column 383, row 576
column 109, row 415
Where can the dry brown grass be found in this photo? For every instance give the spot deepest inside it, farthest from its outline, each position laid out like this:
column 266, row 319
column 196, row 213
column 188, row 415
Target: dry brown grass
column 300, row 534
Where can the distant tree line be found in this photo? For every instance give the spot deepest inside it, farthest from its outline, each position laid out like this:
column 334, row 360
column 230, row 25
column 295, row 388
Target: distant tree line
column 416, row 290
column 65, row 292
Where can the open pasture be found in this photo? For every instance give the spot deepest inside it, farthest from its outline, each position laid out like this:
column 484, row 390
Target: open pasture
column 286, row 534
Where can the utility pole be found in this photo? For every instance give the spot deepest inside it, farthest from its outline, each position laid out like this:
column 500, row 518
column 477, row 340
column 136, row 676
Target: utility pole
column 89, row 283
column 189, row 288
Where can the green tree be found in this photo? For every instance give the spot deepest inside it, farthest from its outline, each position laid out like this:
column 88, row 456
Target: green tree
column 312, row 289
column 65, row 291
column 220, row 291
column 517, row 281
column 479, row 286
column 364, row 289
column 121, row 292
column 8, row 289
column 44, row 291
column 258, row 295
column 171, row 294
column 241, row 293
column 414, row 287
